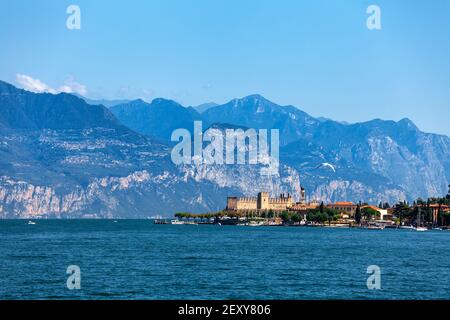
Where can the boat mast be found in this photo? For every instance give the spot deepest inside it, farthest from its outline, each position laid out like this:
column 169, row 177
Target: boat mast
column 418, row 219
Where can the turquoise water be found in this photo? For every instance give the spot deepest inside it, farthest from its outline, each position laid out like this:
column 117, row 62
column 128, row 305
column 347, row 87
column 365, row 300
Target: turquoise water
column 135, row 259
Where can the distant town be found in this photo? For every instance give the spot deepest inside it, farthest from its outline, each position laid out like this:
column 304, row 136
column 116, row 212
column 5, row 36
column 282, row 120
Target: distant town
column 263, row 210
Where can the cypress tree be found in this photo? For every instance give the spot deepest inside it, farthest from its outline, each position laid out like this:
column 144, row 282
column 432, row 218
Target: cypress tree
column 358, row 214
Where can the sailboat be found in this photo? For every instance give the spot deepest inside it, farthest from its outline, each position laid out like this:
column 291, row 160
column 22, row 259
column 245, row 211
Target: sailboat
column 418, row 227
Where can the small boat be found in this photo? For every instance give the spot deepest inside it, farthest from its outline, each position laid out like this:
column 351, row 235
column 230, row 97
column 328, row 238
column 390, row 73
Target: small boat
column 418, row 227
column 372, row 227
column 256, row 223
column 375, row 228
column 176, row 222
column 31, row 222
column 406, row 227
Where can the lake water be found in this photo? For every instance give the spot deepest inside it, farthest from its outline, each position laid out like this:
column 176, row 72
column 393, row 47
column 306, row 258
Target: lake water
column 135, row 259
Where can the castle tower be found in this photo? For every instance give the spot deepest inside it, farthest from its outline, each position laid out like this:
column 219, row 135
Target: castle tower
column 263, row 201
column 232, row 203
column 302, row 195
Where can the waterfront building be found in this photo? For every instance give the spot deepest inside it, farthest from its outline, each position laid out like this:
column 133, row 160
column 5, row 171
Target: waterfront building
column 263, row 202
column 435, row 210
column 303, row 206
column 346, row 209
column 383, row 213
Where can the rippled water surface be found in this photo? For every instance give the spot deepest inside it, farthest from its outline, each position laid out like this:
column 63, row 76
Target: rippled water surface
column 135, row 259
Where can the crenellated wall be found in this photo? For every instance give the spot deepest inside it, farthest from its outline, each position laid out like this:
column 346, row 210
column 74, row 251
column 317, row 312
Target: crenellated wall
column 262, row 202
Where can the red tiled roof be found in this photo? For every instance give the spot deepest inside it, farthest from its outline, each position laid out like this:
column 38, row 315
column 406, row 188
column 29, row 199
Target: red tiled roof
column 342, row 203
column 435, row 205
column 373, row 207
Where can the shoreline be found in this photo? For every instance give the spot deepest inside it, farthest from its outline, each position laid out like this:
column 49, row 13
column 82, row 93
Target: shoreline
column 35, row 221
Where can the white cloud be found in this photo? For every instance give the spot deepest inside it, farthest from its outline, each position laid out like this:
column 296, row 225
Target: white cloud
column 33, row 85
column 36, row 85
column 72, row 86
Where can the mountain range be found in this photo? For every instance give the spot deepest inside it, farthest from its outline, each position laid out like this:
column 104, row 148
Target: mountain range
column 63, row 157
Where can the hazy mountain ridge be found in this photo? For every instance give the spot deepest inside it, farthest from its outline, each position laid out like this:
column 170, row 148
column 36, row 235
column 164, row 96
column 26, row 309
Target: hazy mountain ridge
column 103, row 102
column 407, row 162
column 157, row 119
column 62, row 111
column 259, row 113
column 106, row 170
column 205, row 106
column 62, row 157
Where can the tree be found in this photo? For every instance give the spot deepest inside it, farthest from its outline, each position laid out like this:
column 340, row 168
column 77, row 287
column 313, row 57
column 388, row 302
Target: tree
column 295, row 218
column 316, row 216
column 332, row 215
column 181, row 215
column 369, row 213
column 358, row 214
column 440, row 216
column 322, row 217
column 401, row 210
column 386, row 205
column 310, row 216
column 420, row 202
column 285, row 216
column 322, row 207
column 446, row 216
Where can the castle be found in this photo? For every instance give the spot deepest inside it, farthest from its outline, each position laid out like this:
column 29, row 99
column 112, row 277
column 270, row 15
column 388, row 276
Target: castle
column 263, row 202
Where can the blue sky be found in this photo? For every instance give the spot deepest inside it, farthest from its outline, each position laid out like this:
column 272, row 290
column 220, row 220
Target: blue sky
column 316, row 55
